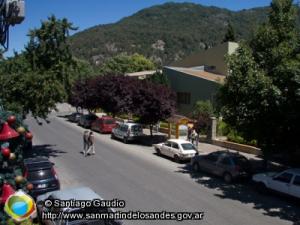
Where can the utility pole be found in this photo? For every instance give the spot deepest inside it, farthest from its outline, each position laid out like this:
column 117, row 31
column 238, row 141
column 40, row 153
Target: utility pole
column 12, row 12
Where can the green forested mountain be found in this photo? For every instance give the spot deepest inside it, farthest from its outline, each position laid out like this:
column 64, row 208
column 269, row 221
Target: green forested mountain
column 165, row 33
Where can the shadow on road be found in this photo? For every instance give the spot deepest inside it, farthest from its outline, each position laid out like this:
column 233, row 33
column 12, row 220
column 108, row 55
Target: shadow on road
column 147, row 140
column 272, row 205
column 44, row 150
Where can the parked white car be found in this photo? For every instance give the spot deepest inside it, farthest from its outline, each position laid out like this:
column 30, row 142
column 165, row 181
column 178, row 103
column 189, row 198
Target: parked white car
column 286, row 182
column 177, row 149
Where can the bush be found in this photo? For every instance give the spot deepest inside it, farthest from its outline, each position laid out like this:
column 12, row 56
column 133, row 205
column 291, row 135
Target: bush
column 234, row 136
column 224, row 129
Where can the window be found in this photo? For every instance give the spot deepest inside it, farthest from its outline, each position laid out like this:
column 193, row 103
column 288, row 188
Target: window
column 136, row 128
column 108, row 121
column 184, row 98
column 40, row 174
column 226, row 161
column 297, row 181
column 188, row 146
column 285, row 177
column 175, row 145
column 213, row 156
column 168, row 144
column 124, row 128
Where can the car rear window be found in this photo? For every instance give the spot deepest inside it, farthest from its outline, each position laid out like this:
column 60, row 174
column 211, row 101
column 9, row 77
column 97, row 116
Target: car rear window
column 91, row 117
column 285, row 177
column 136, row 128
column 188, row 146
column 240, row 160
column 109, row 122
column 40, row 174
column 297, row 181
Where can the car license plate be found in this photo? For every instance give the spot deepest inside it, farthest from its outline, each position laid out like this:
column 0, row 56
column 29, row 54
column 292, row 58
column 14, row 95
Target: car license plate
column 42, row 186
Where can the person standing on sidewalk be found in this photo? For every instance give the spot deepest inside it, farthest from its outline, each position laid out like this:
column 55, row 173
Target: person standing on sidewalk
column 194, row 135
column 189, row 134
column 85, row 141
column 91, row 142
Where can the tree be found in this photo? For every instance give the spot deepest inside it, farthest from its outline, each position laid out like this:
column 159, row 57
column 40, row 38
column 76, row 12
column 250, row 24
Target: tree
column 203, row 111
column 39, row 77
column 122, row 64
column 113, row 93
column 159, row 78
column 230, row 34
column 261, row 96
column 152, row 103
column 123, row 95
column 48, row 49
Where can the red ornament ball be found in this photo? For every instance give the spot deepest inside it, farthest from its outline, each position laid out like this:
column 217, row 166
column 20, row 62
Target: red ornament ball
column 28, row 136
column 5, row 152
column 29, row 187
column 11, row 120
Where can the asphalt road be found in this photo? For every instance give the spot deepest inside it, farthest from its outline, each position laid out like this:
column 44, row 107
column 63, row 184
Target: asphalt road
column 147, row 182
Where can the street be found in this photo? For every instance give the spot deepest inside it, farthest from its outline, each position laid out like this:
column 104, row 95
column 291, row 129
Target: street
column 147, row 182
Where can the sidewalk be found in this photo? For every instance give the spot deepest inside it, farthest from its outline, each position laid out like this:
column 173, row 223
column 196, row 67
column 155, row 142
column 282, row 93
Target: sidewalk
column 206, row 148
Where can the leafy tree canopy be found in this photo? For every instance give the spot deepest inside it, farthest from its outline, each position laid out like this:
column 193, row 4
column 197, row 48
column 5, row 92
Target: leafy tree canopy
column 37, row 79
column 230, row 35
column 121, row 94
column 261, row 97
column 122, row 64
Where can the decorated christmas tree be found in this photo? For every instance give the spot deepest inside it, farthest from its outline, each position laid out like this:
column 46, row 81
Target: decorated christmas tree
column 14, row 139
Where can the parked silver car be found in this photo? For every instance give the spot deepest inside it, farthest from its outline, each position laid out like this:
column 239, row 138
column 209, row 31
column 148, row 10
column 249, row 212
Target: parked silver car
column 80, row 194
column 127, row 131
column 228, row 165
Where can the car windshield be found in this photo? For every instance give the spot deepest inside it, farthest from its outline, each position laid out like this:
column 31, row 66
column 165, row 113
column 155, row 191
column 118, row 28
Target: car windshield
column 188, row 146
column 109, row 122
column 136, row 128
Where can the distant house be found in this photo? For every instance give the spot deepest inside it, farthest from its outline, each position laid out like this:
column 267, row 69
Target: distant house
column 199, row 76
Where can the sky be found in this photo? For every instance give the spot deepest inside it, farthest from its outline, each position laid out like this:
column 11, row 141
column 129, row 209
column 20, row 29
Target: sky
column 87, row 13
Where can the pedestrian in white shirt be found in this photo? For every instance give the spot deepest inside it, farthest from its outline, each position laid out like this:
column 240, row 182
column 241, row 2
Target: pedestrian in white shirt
column 91, row 142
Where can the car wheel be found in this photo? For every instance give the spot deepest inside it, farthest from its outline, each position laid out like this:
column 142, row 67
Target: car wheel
column 158, row 151
column 196, row 167
column 112, row 136
column 125, row 140
column 177, row 159
column 227, row 178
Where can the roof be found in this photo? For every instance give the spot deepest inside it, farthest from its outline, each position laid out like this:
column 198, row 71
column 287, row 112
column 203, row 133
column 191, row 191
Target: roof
column 201, row 74
column 77, row 193
column 142, row 73
column 39, row 159
column 177, row 118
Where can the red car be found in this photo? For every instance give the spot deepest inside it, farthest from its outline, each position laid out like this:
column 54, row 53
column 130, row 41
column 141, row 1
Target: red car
column 105, row 124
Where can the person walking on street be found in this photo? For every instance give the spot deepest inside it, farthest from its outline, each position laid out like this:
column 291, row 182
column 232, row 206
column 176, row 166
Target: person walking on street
column 91, row 142
column 194, row 135
column 85, row 141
